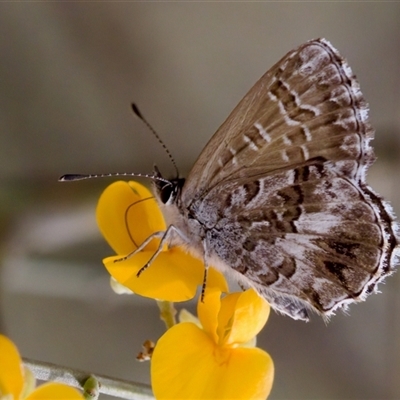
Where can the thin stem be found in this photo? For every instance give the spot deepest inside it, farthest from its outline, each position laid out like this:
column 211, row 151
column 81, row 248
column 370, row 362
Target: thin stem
column 44, row 371
column 167, row 312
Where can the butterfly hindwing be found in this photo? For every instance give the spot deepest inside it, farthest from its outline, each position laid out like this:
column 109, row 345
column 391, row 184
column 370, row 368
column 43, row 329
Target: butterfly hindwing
column 305, row 233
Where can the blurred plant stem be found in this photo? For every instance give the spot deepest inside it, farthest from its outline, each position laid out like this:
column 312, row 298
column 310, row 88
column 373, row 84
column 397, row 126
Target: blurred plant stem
column 167, row 313
column 113, row 387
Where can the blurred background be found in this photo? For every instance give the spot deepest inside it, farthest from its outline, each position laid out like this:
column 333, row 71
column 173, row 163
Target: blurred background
column 68, row 74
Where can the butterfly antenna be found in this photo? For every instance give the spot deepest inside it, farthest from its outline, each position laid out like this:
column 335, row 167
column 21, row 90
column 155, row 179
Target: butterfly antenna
column 152, row 130
column 80, row 177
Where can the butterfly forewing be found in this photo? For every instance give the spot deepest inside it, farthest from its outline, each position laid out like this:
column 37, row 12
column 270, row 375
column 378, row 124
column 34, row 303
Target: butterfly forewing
column 278, row 196
column 307, row 105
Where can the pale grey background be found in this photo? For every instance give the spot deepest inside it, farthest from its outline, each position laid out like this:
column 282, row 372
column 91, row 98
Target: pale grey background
column 68, row 73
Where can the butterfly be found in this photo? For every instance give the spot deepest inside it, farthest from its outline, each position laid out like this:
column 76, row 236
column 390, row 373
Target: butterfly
column 278, row 197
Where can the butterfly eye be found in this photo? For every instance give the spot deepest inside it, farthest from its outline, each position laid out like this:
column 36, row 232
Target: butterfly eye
column 166, row 193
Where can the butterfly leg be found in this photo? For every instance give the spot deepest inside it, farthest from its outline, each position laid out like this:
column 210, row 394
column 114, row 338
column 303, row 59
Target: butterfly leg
column 142, row 246
column 204, row 285
column 165, row 238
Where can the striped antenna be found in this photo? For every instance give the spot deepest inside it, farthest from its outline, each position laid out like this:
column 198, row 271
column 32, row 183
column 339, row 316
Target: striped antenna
column 153, row 131
column 80, row 177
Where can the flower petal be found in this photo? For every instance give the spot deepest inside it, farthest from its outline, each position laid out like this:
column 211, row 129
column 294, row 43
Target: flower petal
column 186, row 364
column 172, row 276
column 55, row 391
column 246, row 315
column 181, row 359
column 248, row 374
column 226, row 316
column 186, row 316
column 127, row 214
column 118, row 288
column 215, row 280
column 29, row 383
column 11, row 369
column 208, row 311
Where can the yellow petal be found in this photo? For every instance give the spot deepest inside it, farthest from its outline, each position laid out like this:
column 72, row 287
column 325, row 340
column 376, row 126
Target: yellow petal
column 182, row 354
column 226, row 316
column 173, row 275
column 127, row 214
column 11, row 368
column 186, row 364
column 247, row 374
column 216, row 280
column 208, row 311
column 55, row 391
column 249, row 315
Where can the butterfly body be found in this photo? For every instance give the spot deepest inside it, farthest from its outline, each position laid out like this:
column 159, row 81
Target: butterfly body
column 278, row 196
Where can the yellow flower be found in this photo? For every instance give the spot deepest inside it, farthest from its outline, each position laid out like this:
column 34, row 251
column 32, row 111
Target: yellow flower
column 14, row 379
column 214, row 362
column 127, row 214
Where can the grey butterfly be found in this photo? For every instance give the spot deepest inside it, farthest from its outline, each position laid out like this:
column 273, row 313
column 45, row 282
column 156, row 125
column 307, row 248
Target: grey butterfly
column 278, row 197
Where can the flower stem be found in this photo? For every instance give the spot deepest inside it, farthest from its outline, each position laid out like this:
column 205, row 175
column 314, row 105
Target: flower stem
column 44, row 371
column 167, row 312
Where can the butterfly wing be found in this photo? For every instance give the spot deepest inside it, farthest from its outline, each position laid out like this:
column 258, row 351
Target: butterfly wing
column 280, row 188
column 303, row 237
column 307, row 105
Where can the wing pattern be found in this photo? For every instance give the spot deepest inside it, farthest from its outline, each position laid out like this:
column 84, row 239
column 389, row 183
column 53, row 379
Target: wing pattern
column 304, row 237
column 280, row 193
column 307, row 105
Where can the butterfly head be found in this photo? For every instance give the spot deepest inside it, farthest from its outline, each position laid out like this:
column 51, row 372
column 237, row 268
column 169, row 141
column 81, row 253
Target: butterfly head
column 167, row 192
